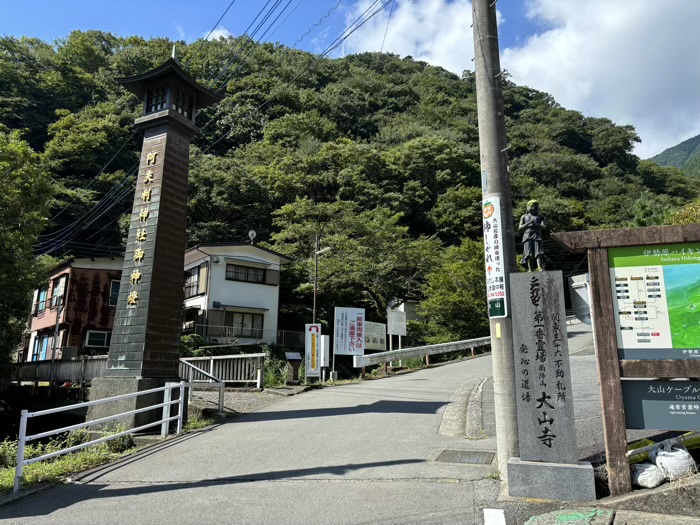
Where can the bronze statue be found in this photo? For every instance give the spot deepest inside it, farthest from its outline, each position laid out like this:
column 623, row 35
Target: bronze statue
column 531, row 227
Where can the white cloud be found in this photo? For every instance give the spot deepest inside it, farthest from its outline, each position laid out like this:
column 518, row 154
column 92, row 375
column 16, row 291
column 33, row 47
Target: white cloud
column 219, row 32
column 633, row 61
column 436, row 31
column 180, row 31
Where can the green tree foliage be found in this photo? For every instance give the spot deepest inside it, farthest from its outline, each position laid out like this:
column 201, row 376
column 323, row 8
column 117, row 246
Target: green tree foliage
column 23, row 204
column 375, row 153
column 455, row 292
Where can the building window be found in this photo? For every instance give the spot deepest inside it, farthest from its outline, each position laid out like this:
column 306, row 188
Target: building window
column 235, row 272
column 57, row 291
column 114, row 286
column 157, row 99
column 40, row 305
column 41, row 347
column 182, row 103
column 244, row 324
column 97, row 339
column 192, row 282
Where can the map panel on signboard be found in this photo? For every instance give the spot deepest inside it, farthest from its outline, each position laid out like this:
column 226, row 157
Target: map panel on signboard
column 656, row 300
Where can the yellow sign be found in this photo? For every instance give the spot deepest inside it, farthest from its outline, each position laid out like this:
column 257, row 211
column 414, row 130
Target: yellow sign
column 151, row 158
column 146, row 195
column 140, row 235
column 148, row 177
column 314, row 351
column 143, row 215
column 138, row 255
column 132, row 298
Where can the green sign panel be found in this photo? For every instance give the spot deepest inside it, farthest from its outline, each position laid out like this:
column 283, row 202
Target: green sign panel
column 656, row 298
column 497, row 308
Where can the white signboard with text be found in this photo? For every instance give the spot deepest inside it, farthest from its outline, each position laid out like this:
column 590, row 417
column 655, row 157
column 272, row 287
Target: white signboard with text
column 375, row 336
column 493, row 258
column 349, row 331
column 396, row 320
column 312, row 345
column 325, row 351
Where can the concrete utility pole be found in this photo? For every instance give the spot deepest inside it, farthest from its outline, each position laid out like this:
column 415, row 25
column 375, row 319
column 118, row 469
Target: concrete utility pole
column 496, row 190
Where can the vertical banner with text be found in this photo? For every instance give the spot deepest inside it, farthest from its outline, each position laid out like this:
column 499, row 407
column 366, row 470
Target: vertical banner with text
column 493, row 258
column 349, row 331
column 313, row 345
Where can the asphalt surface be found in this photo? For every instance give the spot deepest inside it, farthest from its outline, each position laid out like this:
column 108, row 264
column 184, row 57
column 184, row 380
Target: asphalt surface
column 352, row 454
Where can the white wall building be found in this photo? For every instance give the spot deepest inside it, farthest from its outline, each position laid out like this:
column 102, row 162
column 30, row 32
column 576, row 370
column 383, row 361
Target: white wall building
column 232, row 293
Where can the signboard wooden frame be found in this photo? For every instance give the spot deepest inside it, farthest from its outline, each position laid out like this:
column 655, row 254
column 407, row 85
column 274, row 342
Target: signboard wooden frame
column 611, row 369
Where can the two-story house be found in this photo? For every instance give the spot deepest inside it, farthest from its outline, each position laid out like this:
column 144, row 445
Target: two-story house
column 232, row 293
column 77, row 303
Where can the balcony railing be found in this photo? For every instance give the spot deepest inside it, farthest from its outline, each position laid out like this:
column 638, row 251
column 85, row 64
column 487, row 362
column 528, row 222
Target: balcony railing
column 244, row 335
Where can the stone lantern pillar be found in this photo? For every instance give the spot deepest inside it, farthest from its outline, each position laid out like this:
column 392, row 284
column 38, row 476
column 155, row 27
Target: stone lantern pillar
column 144, row 349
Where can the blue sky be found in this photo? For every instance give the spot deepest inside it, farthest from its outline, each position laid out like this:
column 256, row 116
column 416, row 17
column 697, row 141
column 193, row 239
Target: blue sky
column 629, row 60
column 177, row 19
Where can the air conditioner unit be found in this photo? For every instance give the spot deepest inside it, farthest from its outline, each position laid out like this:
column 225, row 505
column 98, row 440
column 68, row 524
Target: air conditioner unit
column 217, row 304
column 215, row 259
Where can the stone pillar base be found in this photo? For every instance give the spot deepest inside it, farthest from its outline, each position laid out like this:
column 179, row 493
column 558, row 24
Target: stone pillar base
column 552, row 481
column 103, row 387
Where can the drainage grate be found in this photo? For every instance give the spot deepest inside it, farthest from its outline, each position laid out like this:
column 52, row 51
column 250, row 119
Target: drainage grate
column 466, row 456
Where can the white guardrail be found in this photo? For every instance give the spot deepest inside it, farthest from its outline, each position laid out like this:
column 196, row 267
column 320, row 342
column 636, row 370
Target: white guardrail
column 360, row 361
column 164, row 421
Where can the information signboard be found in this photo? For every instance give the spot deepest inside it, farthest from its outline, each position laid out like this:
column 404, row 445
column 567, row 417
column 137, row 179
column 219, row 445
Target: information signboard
column 656, row 300
column 375, row 336
column 493, row 258
column 396, row 322
column 662, row 405
column 349, row 331
column 325, row 351
column 313, row 344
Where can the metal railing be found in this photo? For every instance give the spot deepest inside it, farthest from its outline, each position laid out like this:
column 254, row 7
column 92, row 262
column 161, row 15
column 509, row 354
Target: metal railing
column 360, row 361
column 242, row 368
column 192, row 372
column 246, row 335
column 164, row 422
column 75, row 370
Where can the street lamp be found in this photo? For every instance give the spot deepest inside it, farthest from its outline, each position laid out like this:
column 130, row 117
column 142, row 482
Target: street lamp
column 317, row 252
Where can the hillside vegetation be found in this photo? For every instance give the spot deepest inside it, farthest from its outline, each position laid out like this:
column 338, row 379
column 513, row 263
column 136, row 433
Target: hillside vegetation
column 375, row 153
column 684, row 156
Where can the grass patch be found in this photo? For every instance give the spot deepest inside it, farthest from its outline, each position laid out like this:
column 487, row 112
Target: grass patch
column 56, row 469
column 195, row 423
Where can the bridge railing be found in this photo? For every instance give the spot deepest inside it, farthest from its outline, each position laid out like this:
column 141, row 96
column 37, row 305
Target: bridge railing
column 237, row 368
column 360, row 361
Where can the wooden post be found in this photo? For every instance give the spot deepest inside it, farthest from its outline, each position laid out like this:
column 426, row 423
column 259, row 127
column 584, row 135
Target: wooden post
column 607, row 361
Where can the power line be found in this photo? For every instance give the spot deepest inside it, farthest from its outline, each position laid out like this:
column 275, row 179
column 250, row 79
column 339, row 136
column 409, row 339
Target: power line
column 381, row 50
column 201, row 43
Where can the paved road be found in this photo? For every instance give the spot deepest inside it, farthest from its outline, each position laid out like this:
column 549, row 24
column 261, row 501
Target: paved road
column 352, row 454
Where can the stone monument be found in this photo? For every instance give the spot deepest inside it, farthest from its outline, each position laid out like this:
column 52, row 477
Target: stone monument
column 548, row 465
column 144, row 349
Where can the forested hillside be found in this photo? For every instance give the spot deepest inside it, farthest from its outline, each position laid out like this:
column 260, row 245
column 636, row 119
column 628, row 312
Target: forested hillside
column 685, row 156
column 376, row 154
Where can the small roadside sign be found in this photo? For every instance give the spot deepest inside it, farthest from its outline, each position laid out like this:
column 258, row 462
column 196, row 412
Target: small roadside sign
column 313, row 343
column 493, row 257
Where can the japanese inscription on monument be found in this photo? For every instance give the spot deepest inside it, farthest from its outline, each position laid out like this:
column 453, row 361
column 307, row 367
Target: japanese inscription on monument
column 543, row 381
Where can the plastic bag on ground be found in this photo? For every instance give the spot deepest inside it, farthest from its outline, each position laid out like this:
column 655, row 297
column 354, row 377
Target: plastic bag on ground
column 647, row 475
column 673, row 460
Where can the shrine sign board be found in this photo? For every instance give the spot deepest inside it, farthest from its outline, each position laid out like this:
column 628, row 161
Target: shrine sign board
column 662, row 405
column 656, row 300
column 546, row 424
